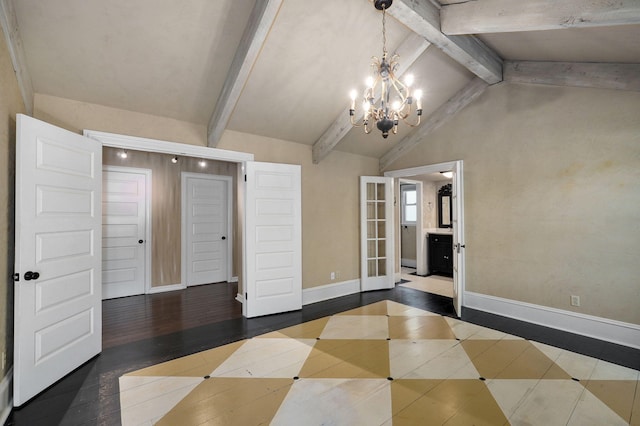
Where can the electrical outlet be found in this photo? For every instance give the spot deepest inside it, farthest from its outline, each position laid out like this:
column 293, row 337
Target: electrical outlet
column 575, row 300
column 333, row 275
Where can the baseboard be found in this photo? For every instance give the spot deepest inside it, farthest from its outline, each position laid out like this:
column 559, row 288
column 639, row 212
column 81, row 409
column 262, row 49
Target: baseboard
column 233, row 280
column 618, row 332
column 329, row 291
column 164, row 288
column 409, row 263
column 6, row 396
column 240, row 298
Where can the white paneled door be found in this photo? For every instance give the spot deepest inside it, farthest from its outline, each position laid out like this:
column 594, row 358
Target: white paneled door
column 376, row 233
column 205, row 214
column 58, row 316
column 124, row 231
column 273, row 239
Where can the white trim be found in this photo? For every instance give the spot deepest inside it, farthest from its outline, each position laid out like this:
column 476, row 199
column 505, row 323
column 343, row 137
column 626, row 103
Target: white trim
column 330, row 291
column 240, row 298
column 233, row 279
column 154, row 145
column 148, row 235
column 165, row 288
column 609, row 330
column 228, row 180
column 6, row 399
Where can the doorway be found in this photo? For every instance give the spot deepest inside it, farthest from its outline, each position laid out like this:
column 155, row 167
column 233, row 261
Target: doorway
column 457, row 221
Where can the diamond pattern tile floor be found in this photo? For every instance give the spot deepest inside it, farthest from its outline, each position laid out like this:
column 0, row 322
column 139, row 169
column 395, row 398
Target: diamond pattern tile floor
column 382, row 364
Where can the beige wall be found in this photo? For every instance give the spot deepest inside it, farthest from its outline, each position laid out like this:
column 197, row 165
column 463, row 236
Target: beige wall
column 166, row 205
column 10, row 104
column 77, row 116
column 552, row 195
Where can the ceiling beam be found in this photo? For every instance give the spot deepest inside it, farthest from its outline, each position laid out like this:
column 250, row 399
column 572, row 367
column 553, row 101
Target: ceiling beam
column 410, row 50
column 255, row 33
column 9, row 24
column 577, row 74
column 496, row 16
column 423, row 18
column 448, row 110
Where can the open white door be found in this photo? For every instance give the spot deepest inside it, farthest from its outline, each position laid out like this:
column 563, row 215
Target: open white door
column 58, row 312
column 458, row 233
column 273, row 239
column 376, row 233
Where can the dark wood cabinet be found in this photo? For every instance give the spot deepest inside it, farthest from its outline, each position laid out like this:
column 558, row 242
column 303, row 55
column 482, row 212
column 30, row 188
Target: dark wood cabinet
column 441, row 254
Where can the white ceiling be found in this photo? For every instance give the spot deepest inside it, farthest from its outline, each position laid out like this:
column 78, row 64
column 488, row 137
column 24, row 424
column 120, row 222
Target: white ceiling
column 172, row 58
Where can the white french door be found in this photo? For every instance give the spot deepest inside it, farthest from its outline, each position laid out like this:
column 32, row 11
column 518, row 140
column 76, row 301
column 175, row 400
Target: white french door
column 458, row 243
column 273, row 239
column 376, row 233
column 125, row 236
column 57, row 291
column 206, row 235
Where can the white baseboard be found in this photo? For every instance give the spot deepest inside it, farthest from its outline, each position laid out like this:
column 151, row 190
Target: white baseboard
column 329, row 291
column 6, row 396
column 233, row 280
column 622, row 333
column 409, row 263
column 240, row 298
column 164, row 288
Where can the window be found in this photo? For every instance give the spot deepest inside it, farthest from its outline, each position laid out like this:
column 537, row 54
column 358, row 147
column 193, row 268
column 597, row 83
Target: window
column 409, row 208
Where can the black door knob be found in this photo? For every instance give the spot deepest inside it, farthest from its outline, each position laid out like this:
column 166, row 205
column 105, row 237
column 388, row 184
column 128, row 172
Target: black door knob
column 140, row 241
column 224, row 238
column 29, row 275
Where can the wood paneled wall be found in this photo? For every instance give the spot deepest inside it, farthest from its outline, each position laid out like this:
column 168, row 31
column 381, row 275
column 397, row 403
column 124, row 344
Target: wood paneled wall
column 166, row 205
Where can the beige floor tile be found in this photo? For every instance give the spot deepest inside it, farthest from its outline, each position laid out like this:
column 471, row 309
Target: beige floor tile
column 414, row 328
column 464, row 330
column 266, row 358
column 356, row 327
column 336, row 402
column 230, row 402
column 307, row 330
column 592, row 411
column 635, row 411
column 150, row 400
column 576, row 365
column 607, row 371
column 348, row 359
column 454, row 402
column 532, row 364
column 378, row 308
column 511, row 394
column 551, row 402
column 492, row 357
column 196, row 365
column 407, row 355
column 618, row 395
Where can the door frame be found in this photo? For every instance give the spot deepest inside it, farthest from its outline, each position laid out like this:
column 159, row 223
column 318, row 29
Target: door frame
column 229, row 228
column 148, row 235
column 455, row 166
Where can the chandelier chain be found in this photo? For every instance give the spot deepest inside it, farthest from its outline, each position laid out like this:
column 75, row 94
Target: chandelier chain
column 384, row 32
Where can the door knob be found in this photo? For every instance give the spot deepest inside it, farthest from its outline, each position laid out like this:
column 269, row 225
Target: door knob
column 140, row 241
column 29, row 275
column 224, row 238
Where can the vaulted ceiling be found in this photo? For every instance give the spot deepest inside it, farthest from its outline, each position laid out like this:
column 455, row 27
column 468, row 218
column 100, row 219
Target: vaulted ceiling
column 284, row 68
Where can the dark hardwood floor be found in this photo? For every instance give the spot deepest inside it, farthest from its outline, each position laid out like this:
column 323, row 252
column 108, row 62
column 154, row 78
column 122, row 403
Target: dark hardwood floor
column 140, row 331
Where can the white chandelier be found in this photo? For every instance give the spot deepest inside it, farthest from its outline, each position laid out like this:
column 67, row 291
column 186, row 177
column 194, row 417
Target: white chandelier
column 386, row 99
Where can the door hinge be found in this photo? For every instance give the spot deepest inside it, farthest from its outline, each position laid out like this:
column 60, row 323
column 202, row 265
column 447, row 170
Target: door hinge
column 16, row 277
column 245, row 178
column 246, row 295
